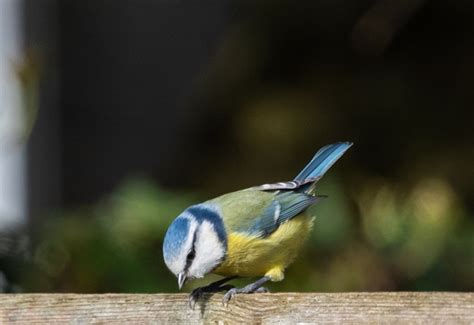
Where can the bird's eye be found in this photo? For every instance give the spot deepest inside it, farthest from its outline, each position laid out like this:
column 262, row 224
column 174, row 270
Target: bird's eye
column 190, row 256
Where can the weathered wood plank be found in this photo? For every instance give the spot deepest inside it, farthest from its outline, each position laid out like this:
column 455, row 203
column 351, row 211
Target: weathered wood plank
column 393, row 307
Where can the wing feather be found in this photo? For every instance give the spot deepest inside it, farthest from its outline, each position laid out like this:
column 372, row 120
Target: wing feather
column 282, row 208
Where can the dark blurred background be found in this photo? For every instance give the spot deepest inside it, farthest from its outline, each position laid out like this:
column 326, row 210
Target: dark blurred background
column 126, row 112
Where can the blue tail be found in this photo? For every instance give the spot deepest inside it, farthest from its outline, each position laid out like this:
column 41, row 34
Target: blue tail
column 323, row 160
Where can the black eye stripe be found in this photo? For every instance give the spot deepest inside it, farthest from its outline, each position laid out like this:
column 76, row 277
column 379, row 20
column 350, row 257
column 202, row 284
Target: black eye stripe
column 191, row 254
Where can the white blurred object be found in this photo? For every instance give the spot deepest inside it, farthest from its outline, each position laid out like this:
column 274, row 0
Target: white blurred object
column 12, row 152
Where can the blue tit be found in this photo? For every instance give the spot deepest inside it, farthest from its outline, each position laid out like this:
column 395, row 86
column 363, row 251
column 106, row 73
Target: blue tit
column 254, row 232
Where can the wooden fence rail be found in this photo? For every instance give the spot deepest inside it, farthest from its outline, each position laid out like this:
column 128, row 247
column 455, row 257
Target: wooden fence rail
column 391, row 307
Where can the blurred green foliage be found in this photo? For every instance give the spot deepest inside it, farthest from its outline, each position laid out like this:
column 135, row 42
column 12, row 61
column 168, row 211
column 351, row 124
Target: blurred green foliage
column 372, row 238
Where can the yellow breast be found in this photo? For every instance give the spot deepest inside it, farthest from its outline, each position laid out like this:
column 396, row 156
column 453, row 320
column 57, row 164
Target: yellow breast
column 249, row 256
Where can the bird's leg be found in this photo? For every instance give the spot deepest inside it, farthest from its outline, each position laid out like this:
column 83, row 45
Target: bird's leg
column 250, row 288
column 213, row 287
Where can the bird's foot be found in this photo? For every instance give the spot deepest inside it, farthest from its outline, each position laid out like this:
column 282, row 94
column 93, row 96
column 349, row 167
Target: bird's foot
column 197, row 293
column 255, row 287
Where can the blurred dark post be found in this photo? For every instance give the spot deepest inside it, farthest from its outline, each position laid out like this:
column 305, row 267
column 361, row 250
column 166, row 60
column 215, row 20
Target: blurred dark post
column 44, row 160
column 116, row 76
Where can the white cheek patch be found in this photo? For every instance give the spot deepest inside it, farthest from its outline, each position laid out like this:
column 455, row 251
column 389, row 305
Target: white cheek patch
column 178, row 264
column 209, row 251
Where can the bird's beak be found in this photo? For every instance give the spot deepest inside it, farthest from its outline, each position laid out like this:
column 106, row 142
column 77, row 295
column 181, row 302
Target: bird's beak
column 181, row 280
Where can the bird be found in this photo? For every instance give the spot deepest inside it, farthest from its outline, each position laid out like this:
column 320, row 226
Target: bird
column 254, row 232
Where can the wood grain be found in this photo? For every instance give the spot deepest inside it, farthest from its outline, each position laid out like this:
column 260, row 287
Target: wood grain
column 391, row 307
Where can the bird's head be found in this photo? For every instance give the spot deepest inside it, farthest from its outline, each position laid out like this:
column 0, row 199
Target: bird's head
column 195, row 243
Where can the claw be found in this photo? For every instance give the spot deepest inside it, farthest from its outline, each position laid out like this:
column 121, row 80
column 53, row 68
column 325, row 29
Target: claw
column 191, row 302
column 251, row 288
column 232, row 292
column 194, row 297
column 217, row 286
column 228, row 296
column 262, row 290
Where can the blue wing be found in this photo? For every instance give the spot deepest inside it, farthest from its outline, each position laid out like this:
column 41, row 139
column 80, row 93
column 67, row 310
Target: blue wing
column 282, row 208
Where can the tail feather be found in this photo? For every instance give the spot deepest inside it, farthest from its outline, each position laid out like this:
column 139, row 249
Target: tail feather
column 322, row 161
